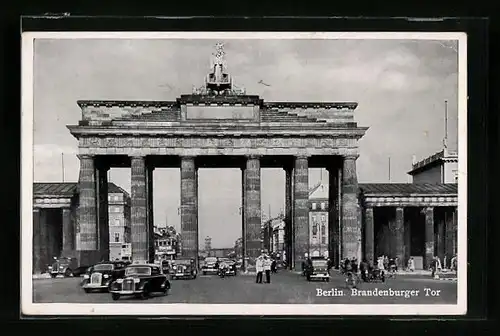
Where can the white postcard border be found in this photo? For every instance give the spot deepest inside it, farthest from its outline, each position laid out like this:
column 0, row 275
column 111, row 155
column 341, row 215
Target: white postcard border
column 68, row 309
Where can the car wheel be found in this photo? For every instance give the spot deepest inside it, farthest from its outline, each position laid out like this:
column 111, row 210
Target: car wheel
column 87, row 290
column 68, row 273
column 53, row 276
column 327, row 279
column 145, row 294
column 115, row 296
column 194, row 276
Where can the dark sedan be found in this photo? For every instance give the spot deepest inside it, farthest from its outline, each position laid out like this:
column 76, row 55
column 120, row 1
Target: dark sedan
column 100, row 276
column 140, row 280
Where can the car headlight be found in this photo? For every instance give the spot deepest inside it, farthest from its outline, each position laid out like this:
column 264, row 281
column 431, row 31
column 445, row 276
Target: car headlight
column 106, row 276
column 175, row 267
column 119, row 280
column 86, row 276
column 137, row 280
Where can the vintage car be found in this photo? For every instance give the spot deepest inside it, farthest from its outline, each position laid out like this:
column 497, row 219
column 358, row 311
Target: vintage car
column 317, row 269
column 227, row 266
column 183, row 269
column 101, row 275
column 66, row 266
column 165, row 266
column 140, row 280
column 210, row 265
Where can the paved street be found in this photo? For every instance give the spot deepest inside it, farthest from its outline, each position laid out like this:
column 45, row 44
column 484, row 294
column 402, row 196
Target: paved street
column 285, row 287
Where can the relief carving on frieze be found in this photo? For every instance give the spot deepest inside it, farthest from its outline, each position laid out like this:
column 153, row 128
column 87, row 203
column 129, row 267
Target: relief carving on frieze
column 186, row 142
column 95, row 142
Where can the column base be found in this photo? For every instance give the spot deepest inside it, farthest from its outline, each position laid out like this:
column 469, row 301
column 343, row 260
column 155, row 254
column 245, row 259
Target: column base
column 88, row 258
column 297, row 266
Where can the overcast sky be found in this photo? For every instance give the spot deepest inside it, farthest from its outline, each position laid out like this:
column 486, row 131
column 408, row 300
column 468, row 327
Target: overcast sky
column 400, row 85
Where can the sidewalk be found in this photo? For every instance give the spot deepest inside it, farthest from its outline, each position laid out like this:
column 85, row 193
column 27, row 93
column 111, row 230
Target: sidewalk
column 41, row 276
column 426, row 272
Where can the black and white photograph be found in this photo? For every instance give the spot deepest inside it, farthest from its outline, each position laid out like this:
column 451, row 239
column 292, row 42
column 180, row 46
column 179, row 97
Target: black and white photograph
column 244, row 173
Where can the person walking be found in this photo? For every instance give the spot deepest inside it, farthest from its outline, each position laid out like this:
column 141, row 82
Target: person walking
column 274, row 268
column 259, row 267
column 267, row 268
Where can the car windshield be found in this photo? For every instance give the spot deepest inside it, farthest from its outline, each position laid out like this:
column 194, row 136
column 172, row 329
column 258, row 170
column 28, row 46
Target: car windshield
column 211, row 260
column 103, row 267
column 138, row 270
column 182, row 262
column 319, row 263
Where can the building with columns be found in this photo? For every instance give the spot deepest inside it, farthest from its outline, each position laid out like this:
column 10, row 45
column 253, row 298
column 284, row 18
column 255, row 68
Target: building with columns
column 55, row 219
column 217, row 125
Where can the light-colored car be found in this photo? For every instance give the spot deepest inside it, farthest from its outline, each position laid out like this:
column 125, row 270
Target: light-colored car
column 210, row 265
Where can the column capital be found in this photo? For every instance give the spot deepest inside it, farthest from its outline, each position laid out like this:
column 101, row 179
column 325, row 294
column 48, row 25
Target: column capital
column 368, row 209
column 429, row 209
column 66, row 209
column 351, row 157
column 302, row 157
column 187, row 156
column 36, row 209
column 137, row 157
column 253, row 157
column 85, row 156
column 400, row 208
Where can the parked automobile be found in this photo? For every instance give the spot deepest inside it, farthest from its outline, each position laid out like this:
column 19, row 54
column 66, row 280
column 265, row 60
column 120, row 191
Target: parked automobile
column 317, row 269
column 183, row 269
column 140, row 280
column 67, row 267
column 165, row 266
column 210, row 265
column 101, row 275
column 227, row 266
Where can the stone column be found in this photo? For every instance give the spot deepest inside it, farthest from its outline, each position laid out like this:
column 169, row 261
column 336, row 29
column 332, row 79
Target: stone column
column 102, row 211
column 288, row 217
column 369, row 235
column 429, row 236
column 87, row 236
column 455, row 231
column 440, row 236
column 301, row 210
column 189, row 212
column 351, row 226
column 138, row 211
column 399, row 237
column 67, row 232
column 243, row 219
column 45, row 257
column 150, row 213
column 333, row 222
column 407, row 240
column 37, row 243
column 252, row 209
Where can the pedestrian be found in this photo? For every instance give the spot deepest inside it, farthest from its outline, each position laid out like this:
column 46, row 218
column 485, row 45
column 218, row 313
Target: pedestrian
column 274, row 268
column 433, row 266
column 411, row 264
column 259, row 267
column 267, row 268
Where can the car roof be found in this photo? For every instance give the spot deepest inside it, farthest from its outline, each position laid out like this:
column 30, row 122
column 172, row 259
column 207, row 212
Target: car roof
column 143, row 265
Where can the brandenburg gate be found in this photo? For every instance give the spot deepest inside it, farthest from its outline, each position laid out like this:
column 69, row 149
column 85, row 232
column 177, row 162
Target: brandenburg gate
column 218, row 125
